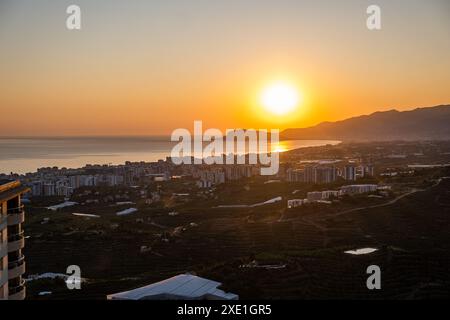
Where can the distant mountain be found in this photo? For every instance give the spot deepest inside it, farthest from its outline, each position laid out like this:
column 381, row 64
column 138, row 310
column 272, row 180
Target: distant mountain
column 431, row 123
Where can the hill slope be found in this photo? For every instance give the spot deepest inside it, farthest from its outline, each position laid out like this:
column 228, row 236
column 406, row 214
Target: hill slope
column 431, row 123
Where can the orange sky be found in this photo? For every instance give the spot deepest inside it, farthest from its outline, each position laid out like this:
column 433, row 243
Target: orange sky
column 150, row 68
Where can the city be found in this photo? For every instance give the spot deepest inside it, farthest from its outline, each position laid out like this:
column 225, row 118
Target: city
column 224, row 159
column 151, row 212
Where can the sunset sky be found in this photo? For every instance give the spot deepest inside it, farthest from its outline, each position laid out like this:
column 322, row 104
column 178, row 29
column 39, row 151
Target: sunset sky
column 148, row 67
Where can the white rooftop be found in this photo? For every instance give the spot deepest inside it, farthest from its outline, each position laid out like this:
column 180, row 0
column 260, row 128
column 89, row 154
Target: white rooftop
column 180, row 287
column 126, row 212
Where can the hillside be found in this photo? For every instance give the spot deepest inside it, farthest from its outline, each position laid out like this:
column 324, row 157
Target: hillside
column 431, row 123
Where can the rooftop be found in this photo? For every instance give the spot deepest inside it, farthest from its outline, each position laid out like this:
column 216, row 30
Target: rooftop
column 5, row 181
column 180, row 287
column 6, row 184
column 11, row 188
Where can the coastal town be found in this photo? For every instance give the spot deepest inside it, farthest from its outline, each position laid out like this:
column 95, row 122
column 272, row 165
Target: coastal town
column 182, row 217
column 347, row 165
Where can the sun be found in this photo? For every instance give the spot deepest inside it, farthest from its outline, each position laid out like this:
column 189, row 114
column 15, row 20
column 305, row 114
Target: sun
column 280, row 98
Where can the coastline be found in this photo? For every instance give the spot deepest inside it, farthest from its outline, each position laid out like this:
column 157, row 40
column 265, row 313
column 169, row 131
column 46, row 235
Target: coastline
column 25, row 155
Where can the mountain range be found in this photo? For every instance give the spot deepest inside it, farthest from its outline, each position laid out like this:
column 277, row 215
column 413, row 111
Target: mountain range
column 431, row 123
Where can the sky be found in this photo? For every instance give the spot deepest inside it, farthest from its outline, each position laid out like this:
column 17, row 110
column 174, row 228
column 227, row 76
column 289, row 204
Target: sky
column 144, row 67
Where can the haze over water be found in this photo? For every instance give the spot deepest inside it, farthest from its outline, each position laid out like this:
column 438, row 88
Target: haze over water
column 22, row 155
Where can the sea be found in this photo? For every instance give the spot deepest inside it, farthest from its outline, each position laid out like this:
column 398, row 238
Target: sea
column 23, row 155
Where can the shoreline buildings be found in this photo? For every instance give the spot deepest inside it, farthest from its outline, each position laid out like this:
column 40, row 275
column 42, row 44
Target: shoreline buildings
column 54, row 181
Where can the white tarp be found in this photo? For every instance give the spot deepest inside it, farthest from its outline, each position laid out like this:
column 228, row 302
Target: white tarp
column 180, row 287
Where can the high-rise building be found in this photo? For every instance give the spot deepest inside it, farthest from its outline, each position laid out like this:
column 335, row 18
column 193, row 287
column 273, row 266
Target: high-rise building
column 319, row 174
column 310, row 174
column 369, row 170
column 12, row 241
column 325, row 174
column 350, row 172
column 295, row 175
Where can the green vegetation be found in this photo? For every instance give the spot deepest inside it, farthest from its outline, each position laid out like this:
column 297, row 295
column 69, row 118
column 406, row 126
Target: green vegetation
column 307, row 242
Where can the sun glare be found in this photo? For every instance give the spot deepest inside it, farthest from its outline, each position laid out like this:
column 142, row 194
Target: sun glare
column 280, row 98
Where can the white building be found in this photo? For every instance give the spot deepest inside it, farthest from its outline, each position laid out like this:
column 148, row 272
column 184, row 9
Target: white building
column 358, row 188
column 350, row 172
column 314, row 196
column 49, row 189
column 329, row 193
column 209, row 178
column 295, row 203
column 204, row 184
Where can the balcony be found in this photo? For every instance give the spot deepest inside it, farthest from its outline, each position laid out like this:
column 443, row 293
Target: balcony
column 3, row 249
column 3, row 277
column 16, row 210
column 16, row 268
column 17, row 293
column 16, row 242
column 3, row 221
column 16, row 216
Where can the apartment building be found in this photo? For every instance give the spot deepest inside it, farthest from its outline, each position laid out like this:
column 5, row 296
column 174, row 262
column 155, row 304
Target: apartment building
column 12, row 240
